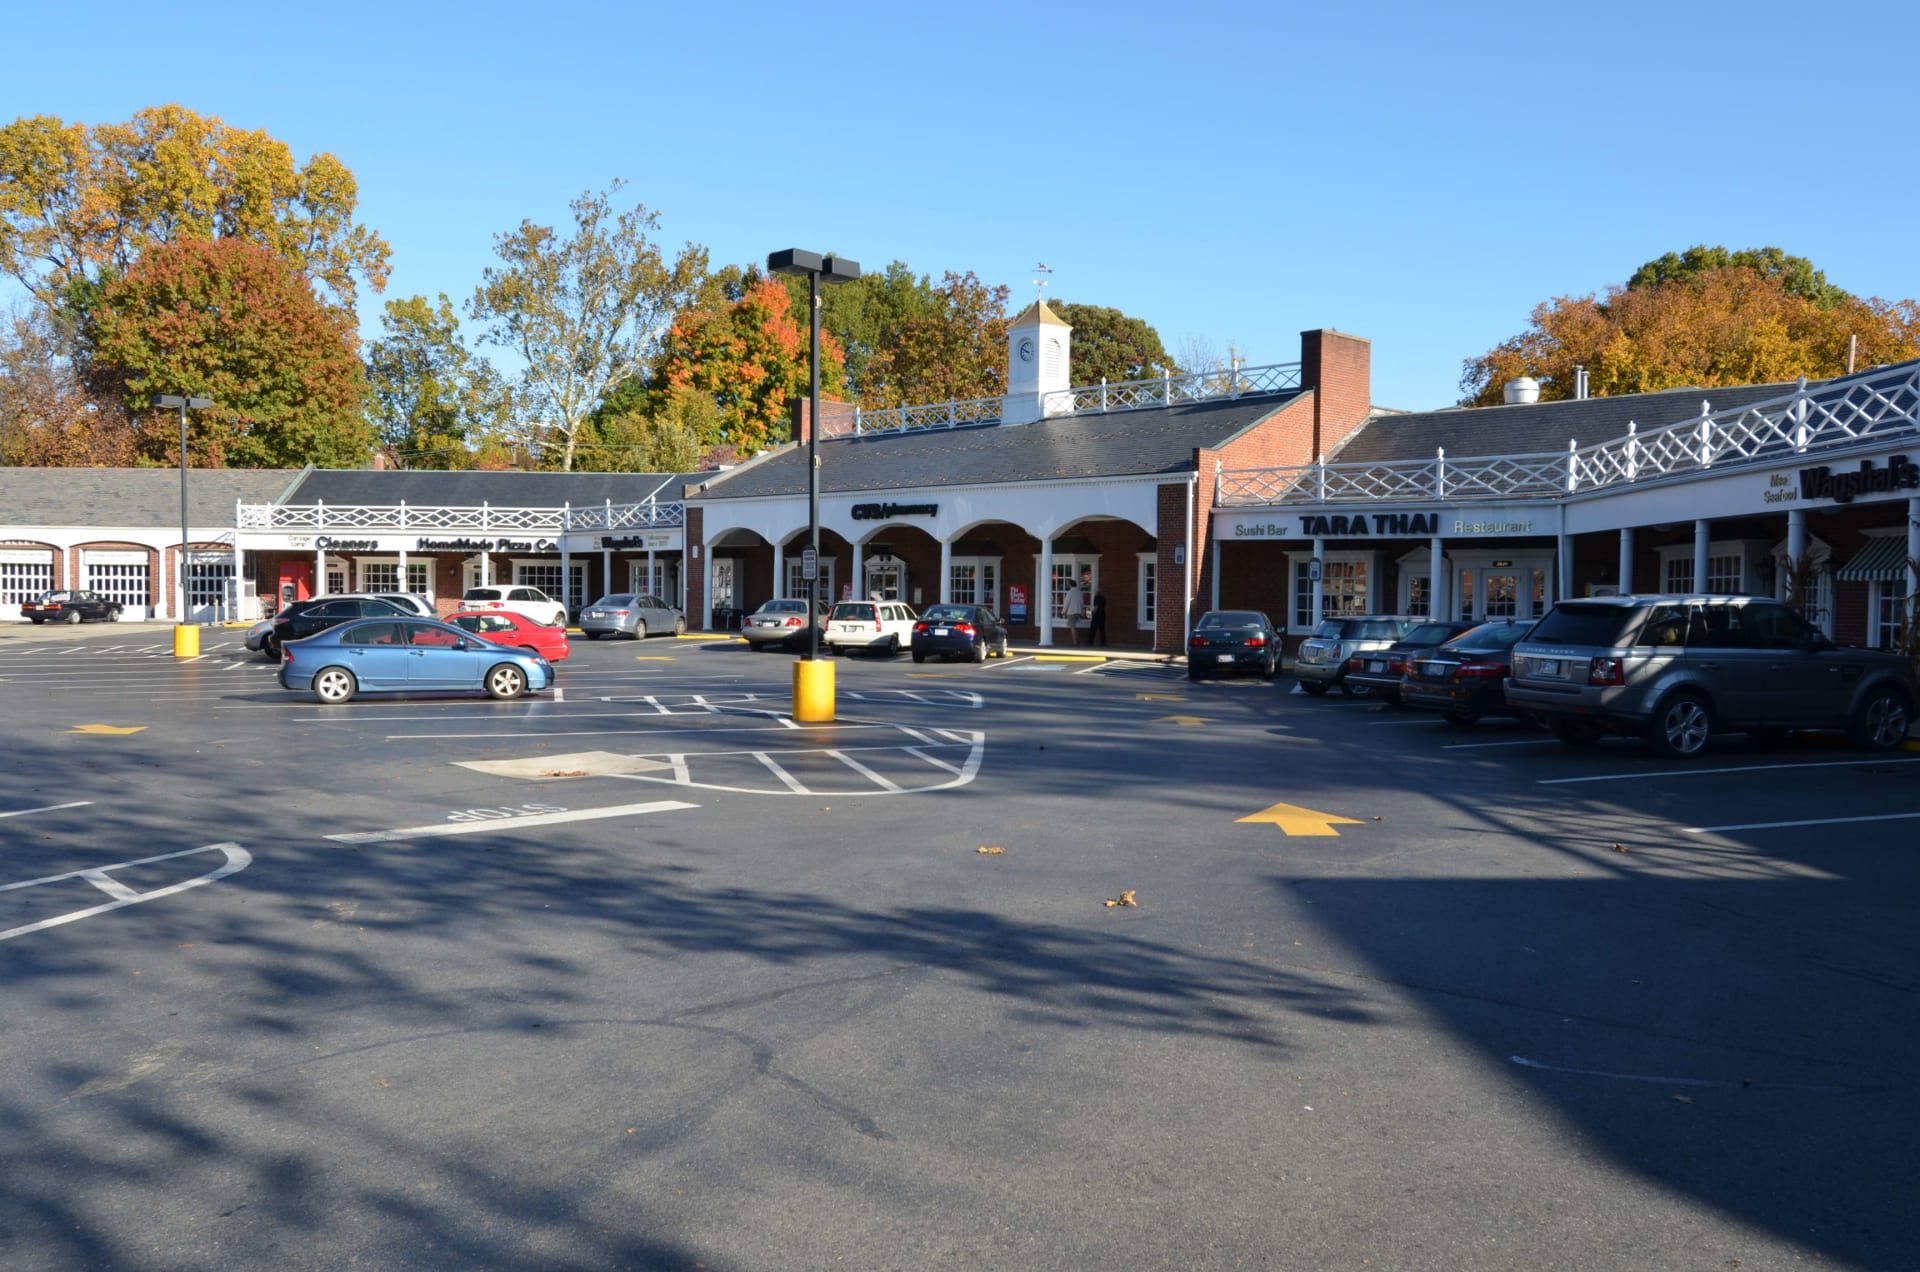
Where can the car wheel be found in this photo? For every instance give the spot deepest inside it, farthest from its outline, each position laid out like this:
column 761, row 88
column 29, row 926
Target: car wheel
column 680, row 626
column 1573, row 732
column 1317, row 688
column 70, row 617
column 1881, row 723
column 270, row 649
column 919, row 657
column 1271, row 669
column 333, row 685
column 1351, row 690
column 979, row 653
column 113, row 615
column 506, row 681
column 639, row 630
column 893, row 647
column 1460, row 718
column 1006, row 647
column 1681, row 727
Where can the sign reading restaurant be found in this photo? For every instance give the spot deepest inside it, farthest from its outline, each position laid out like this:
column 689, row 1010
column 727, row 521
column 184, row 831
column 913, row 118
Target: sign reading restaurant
column 1454, row 523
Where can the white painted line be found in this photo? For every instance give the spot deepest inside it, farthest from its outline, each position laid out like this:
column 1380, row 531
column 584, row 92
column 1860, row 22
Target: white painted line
column 237, row 859
column 934, row 760
column 1525, row 1063
column 439, row 829
column 792, row 783
column 1383, row 724
column 858, row 767
column 1011, row 661
column 1480, row 746
column 1812, row 821
column 50, row 808
column 679, row 762
column 1747, row 768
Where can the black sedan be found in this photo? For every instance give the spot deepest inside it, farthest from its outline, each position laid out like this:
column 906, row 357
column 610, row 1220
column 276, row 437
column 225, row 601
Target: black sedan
column 307, row 618
column 1382, row 669
column 1466, row 678
column 958, row 631
column 1233, row 640
column 71, row 607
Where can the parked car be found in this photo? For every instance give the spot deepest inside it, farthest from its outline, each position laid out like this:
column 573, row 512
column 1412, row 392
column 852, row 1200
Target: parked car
column 883, row 627
column 260, row 635
column 959, row 631
column 410, row 601
column 1233, row 640
column 504, row 627
column 70, row 606
column 1465, row 678
column 779, row 624
column 631, row 614
column 1676, row 670
column 1320, row 663
column 309, row 618
column 400, row 654
column 530, row 601
column 1381, row 670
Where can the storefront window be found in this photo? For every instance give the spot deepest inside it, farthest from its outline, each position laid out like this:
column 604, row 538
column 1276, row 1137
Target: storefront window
column 1419, row 596
column 125, row 582
column 1149, row 588
column 24, row 575
column 1887, row 615
column 974, row 581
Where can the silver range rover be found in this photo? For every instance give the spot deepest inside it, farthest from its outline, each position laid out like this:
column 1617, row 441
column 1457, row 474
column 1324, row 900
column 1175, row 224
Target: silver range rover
column 1675, row 670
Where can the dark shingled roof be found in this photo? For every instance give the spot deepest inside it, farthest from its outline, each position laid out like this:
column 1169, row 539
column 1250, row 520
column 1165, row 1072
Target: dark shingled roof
column 134, row 498
column 1118, row 444
column 1536, row 428
column 466, row 489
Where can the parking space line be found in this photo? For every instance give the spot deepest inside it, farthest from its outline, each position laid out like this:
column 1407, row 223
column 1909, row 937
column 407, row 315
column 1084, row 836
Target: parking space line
column 237, row 859
column 934, row 760
column 1698, row 772
column 50, row 808
column 1480, row 746
column 1812, row 821
column 792, row 783
column 439, row 829
column 864, row 771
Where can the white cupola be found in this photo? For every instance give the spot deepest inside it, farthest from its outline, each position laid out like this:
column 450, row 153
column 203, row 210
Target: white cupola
column 1037, row 376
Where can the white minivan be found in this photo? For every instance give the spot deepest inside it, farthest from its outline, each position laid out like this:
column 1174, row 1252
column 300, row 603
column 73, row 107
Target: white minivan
column 530, row 601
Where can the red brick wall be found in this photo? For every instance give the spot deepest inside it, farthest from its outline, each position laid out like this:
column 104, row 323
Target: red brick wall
column 1338, row 368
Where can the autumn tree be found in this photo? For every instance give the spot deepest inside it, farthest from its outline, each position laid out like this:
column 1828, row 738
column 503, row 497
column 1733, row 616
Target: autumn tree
column 954, row 347
column 1109, row 345
column 233, row 322
column 1702, row 319
column 434, row 402
column 48, row 418
column 81, row 204
column 668, row 434
column 582, row 312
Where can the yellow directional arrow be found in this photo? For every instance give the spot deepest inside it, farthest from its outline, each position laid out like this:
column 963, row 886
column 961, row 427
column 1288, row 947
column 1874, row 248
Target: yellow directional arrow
column 1295, row 820
column 1159, row 697
column 107, row 728
column 1183, row 721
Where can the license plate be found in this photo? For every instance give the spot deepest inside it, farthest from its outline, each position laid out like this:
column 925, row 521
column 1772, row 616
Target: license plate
column 1376, row 666
column 1547, row 666
column 940, row 631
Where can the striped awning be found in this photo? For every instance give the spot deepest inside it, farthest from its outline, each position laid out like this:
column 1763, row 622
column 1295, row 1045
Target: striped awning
column 1883, row 560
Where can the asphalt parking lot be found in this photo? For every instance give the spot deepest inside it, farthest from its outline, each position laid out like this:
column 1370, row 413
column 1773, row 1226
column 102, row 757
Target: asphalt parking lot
column 642, row 973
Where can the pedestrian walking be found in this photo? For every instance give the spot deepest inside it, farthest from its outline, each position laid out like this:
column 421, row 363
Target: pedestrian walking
column 1070, row 604
column 1097, row 620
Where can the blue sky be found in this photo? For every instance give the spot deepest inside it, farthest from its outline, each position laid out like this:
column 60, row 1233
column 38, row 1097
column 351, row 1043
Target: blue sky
column 1419, row 174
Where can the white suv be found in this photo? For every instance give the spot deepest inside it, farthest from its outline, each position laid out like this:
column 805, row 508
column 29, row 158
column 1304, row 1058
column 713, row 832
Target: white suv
column 530, row 601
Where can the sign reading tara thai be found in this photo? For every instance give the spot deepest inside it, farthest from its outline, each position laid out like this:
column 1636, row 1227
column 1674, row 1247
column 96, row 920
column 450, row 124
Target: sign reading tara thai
column 882, row 511
column 1845, row 486
column 1456, row 523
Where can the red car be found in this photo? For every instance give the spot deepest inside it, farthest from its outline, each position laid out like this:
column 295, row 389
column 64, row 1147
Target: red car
column 504, row 627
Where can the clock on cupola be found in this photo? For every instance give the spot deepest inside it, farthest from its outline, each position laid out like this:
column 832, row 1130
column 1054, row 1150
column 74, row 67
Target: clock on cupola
column 1037, row 366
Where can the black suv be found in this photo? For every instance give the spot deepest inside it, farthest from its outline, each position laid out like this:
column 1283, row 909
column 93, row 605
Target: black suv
column 1678, row 669
column 306, row 618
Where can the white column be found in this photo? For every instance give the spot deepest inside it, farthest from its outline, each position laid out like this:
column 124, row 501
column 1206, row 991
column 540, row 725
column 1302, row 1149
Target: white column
column 1702, row 536
column 706, row 593
column 486, row 568
column 946, row 571
column 566, row 578
column 1796, row 537
column 1043, row 592
column 607, row 585
column 1563, row 566
column 319, row 571
column 652, row 568
column 241, row 609
column 779, row 570
column 1436, row 579
column 859, row 565
column 1913, row 556
column 1320, row 584
column 1626, row 560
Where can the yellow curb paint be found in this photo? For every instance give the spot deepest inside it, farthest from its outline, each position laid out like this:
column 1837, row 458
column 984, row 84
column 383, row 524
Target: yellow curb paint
column 1185, row 722
column 111, row 730
column 655, row 658
column 1159, row 697
column 1295, row 820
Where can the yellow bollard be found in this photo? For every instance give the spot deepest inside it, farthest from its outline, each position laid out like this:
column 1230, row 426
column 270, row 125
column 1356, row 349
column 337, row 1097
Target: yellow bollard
column 186, row 641
column 813, row 691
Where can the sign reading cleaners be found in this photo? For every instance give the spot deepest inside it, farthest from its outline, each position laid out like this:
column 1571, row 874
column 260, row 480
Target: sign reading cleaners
column 1844, row 486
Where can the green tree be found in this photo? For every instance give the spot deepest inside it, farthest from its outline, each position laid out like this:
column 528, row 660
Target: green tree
column 48, row 417
column 866, row 317
column 582, row 312
column 80, row 204
column 669, row 439
column 1695, row 323
column 955, row 348
column 434, row 402
column 1108, row 344
column 233, row 322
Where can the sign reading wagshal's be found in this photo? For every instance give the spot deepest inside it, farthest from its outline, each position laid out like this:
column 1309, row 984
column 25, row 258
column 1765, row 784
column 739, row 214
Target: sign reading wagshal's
column 1897, row 474
column 1452, row 523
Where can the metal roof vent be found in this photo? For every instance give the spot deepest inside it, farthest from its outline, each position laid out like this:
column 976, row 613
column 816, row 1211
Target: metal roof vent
column 1522, row 392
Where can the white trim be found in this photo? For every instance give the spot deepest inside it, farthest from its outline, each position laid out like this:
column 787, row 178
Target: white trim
column 1146, row 564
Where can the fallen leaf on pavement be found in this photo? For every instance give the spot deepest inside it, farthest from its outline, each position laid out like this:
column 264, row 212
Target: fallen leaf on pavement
column 1125, row 898
column 994, row 849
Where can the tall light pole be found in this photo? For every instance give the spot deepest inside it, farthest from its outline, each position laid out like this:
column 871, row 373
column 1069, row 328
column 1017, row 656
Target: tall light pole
column 186, row 639
column 833, row 269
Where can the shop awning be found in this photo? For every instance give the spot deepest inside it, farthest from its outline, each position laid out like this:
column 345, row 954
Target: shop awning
column 1883, row 560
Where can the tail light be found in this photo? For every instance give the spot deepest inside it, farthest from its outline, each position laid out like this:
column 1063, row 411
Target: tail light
column 1256, row 641
column 1480, row 671
column 919, row 627
column 1394, row 663
column 876, row 625
column 286, row 655
column 621, row 613
column 1605, row 671
column 1353, row 663
column 1197, row 642
column 793, row 622
column 964, row 629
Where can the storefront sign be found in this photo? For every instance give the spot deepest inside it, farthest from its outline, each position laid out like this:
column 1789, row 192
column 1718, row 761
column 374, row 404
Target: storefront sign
column 882, row 511
column 1841, row 487
column 483, row 545
column 1016, row 602
column 652, row 539
column 327, row 543
column 1458, row 523
column 1781, row 488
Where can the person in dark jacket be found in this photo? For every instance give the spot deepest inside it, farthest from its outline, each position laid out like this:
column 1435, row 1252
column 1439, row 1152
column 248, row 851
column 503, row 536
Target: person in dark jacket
column 1097, row 623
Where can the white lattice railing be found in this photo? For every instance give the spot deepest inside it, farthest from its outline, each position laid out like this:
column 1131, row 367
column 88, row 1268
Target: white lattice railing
column 485, row 518
column 1126, row 395
column 1877, row 405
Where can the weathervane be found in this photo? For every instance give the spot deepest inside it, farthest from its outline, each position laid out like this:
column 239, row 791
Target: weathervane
column 1040, row 284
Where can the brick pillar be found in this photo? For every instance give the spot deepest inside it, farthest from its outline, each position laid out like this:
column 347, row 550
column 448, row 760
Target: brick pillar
column 1339, row 370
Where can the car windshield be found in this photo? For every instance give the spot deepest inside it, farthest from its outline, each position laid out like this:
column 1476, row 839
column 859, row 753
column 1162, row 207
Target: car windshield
column 947, row 614
column 1230, row 618
column 783, row 607
column 1580, row 623
column 618, row 598
column 483, row 593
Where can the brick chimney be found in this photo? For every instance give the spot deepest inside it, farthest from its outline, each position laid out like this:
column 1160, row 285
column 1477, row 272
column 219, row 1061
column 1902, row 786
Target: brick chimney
column 1339, row 370
column 837, row 417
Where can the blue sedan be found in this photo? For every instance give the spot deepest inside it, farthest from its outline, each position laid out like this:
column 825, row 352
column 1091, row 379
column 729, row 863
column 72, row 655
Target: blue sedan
column 400, row 655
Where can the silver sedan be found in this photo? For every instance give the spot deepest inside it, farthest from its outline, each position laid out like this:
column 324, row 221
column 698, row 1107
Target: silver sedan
column 631, row 614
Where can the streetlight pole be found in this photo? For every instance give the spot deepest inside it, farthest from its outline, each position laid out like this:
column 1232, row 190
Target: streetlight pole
column 833, row 269
column 186, row 639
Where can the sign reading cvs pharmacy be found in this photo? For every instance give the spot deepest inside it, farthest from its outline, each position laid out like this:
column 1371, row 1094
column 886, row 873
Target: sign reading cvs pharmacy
column 1449, row 523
